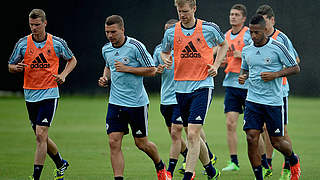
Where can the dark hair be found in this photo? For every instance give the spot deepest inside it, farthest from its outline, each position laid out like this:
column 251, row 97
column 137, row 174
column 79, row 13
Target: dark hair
column 265, row 10
column 114, row 19
column 172, row 21
column 241, row 8
column 38, row 13
column 258, row 19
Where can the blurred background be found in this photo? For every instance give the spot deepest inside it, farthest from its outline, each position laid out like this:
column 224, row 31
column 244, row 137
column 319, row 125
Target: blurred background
column 81, row 24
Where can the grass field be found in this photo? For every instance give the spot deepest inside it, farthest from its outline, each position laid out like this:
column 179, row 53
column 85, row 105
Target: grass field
column 79, row 131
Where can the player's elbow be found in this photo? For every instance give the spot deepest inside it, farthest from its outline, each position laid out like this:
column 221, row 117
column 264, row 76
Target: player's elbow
column 296, row 69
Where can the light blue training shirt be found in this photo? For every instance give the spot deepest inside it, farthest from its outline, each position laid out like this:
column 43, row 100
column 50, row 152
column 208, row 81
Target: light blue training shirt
column 127, row 89
column 62, row 51
column 269, row 58
column 213, row 37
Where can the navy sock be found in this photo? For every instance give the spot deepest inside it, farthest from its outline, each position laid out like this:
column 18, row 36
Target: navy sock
column 210, row 153
column 269, row 160
column 187, row 176
column 184, row 153
column 264, row 161
column 159, row 166
column 258, row 172
column 37, row 169
column 118, row 178
column 57, row 159
column 293, row 159
column 286, row 163
column 172, row 165
column 211, row 171
column 234, row 159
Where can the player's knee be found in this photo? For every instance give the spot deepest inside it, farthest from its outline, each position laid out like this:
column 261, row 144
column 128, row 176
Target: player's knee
column 114, row 144
column 141, row 144
column 252, row 139
column 193, row 136
column 231, row 125
column 276, row 142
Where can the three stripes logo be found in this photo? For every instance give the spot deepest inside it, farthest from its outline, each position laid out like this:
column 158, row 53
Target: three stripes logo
column 190, row 51
column 40, row 62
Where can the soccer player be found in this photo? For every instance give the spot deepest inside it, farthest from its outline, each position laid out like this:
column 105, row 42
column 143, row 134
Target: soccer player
column 262, row 66
column 269, row 16
column 37, row 56
column 127, row 61
column 238, row 37
column 192, row 40
column 169, row 107
column 171, row 111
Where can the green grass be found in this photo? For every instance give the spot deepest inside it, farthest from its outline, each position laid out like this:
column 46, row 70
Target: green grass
column 79, row 131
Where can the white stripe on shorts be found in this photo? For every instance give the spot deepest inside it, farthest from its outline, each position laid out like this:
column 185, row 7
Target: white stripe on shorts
column 54, row 110
column 146, row 118
column 208, row 103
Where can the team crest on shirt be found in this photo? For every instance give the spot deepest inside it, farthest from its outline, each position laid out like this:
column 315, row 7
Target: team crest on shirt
column 267, row 60
column 125, row 60
column 31, row 51
column 199, row 40
column 179, row 40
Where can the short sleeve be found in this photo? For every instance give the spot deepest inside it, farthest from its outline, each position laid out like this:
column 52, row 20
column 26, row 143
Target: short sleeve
column 142, row 55
column 167, row 41
column 18, row 51
column 244, row 64
column 61, row 48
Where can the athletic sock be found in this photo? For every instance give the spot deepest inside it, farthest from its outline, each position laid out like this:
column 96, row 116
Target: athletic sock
column 264, row 161
column 57, row 159
column 293, row 159
column 187, row 176
column 184, row 153
column 258, row 172
column 211, row 171
column 172, row 165
column 118, row 178
column 269, row 160
column 210, row 153
column 234, row 159
column 37, row 169
column 286, row 163
column 159, row 166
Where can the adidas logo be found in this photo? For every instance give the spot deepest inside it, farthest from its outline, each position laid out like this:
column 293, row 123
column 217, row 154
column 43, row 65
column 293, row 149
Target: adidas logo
column 277, row 131
column 40, row 62
column 199, row 118
column 190, row 51
column 179, row 119
column 258, row 53
column 139, row 132
column 45, row 120
column 117, row 54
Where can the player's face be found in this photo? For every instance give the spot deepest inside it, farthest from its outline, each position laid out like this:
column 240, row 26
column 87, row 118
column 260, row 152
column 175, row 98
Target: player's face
column 186, row 13
column 269, row 22
column 257, row 33
column 37, row 26
column 114, row 33
column 236, row 17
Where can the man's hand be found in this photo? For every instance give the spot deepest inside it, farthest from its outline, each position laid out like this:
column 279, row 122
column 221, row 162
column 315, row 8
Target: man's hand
column 15, row 68
column 160, row 68
column 242, row 78
column 212, row 71
column 237, row 54
column 120, row 67
column 60, row 79
column 103, row 82
column 268, row 76
column 168, row 62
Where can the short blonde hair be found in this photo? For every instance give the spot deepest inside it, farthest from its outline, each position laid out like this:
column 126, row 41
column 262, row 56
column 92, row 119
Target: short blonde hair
column 38, row 13
column 192, row 3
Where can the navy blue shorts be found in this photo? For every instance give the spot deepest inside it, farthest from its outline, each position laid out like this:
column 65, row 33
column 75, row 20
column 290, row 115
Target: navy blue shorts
column 194, row 106
column 234, row 99
column 171, row 114
column 41, row 113
column 118, row 118
column 285, row 107
column 255, row 115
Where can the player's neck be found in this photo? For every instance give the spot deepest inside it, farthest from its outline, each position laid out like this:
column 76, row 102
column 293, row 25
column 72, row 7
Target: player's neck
column 262, row 43
column 190, row 24
column 236, row 28
column 120, row 42
column 39, row 37
column 270, row 31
